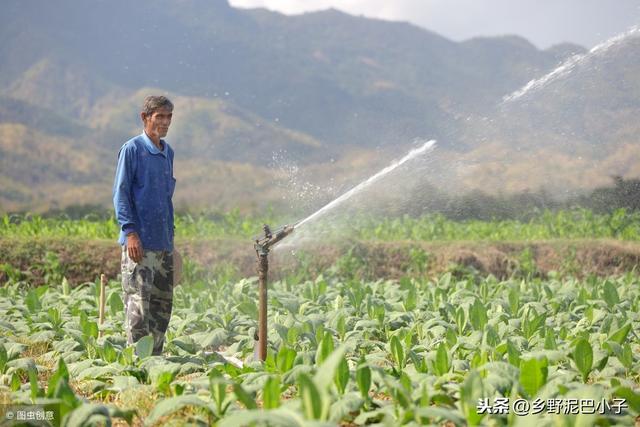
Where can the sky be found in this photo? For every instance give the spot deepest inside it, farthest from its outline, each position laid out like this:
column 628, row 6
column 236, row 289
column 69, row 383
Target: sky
column 543, row 22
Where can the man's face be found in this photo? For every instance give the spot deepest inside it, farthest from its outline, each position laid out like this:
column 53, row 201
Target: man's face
column 156, row 124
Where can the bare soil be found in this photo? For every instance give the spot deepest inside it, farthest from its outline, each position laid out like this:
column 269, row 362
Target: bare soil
column 82, row 261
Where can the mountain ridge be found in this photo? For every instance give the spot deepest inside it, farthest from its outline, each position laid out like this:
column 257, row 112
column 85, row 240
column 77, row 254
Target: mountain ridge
column 250, row 84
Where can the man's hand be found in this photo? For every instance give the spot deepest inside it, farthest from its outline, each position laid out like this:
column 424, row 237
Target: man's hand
column 134, row 247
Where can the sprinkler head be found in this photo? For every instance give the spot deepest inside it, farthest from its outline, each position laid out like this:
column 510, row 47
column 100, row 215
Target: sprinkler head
column 267, row 231
column 263, row 244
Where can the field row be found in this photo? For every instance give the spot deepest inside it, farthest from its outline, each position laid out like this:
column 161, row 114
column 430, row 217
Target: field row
column 569, row 224
column 341, row 351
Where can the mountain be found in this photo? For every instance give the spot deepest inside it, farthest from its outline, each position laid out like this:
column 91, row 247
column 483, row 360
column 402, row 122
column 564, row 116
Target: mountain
column 373, row 81
column 319, row 90
column 574, row 128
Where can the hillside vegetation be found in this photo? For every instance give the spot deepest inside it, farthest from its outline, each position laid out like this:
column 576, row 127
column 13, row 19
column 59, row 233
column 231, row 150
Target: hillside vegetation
column 333, row 94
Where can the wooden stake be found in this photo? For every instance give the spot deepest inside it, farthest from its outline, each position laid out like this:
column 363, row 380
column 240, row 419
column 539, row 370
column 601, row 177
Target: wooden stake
column 103, row 286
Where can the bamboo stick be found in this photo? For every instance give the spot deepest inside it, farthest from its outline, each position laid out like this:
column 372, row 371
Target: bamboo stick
column 103, row 286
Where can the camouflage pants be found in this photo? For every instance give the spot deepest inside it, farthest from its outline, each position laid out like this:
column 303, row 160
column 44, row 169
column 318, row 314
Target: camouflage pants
column 148, row 296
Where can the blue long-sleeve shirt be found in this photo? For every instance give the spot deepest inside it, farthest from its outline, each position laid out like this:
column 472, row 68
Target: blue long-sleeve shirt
column 142, row 193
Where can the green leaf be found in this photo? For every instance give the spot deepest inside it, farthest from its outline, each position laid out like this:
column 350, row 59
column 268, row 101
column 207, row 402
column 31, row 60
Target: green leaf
column 144, row 347
column 461, row 319
column 631, row 397
column 285, row 358
column 15, row 382
column 425, row 399
column 363, row 379
column 442, row 363
column 452, row 337
column 613, row 348
column 162, row 382
column 533, row 375
column 292, row 335
column 126, row 356
column 125, row 414
column 478, row 314
column 123, row 382
column 610, row 294
column 341, row 326
column 621, row 334
column 397, row 351
column 249, row 308
column 401, row 391
column 350, row 403
column 212, row 339
column 471, row 390
column 88, row 414
column 33, row 382
column 410, row 302
column 232, row 370
column 276, row 417
column 108, row 353
column 61, row 374
column 513, row 354
column 435, row 415
column 319, row 334
column 245, row 398
column 64, row 392
column 54, row 317
column 491, row 336
column 532, row 323
column 14, row 350
column 271, row 393
column 173, row 404
column 4, row 358
column 514, row 301
column 626, row 358
column 99, row 372
column 326, row 372
column 325, row 348
column 186, row 344
column 90, row 329
column 116, row 306
column 601, row 359
column 218, row 390
column 313, row 402
column 550, row 340
column 32, row 300
column 178, row 389
column 342, row 376
column 583, row 358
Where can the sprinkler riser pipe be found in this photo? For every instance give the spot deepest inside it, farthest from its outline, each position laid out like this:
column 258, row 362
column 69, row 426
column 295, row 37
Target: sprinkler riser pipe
column 262, row 246
column 263, row 269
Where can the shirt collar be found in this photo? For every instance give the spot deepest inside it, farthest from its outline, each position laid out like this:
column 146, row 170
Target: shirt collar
column 151, row 147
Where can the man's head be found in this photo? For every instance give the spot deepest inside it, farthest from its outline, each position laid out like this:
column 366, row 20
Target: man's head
column 156, row 115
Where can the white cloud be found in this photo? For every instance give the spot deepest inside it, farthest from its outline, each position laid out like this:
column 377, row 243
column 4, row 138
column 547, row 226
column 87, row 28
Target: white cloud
column 544, row 22
column 373, row 8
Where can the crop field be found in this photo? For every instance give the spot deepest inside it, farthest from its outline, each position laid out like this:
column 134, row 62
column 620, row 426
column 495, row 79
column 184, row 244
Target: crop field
column 345, row 348
column 342, row 351
column 568, row 224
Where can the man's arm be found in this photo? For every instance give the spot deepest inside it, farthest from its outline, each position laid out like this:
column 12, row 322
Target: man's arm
column 123, row 201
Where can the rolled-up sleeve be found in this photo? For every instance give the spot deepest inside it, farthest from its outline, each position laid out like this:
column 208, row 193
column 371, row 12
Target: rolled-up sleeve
column 122, row 190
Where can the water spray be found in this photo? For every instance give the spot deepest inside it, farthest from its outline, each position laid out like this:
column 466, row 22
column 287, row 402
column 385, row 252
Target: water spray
column 262, row 246
column 264, row 243
column 410, row 155
column 570, row 64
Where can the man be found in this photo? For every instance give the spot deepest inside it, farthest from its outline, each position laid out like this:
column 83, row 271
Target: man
column 142, row 193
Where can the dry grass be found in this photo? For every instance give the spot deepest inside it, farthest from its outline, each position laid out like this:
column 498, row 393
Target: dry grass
column 34, row 350
column 87, row 259
column 142, row 398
